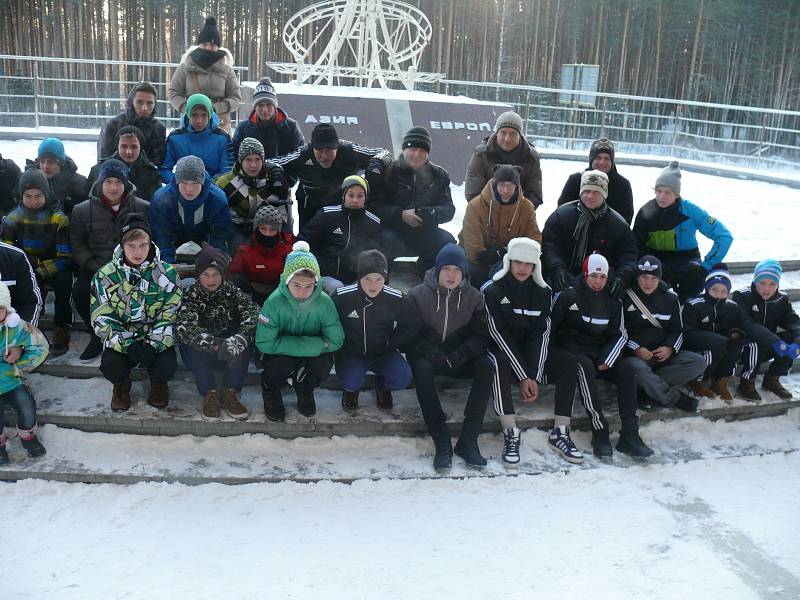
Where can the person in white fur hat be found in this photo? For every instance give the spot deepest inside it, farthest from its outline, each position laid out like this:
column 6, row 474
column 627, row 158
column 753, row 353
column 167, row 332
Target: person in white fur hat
column 24, row 349
column 518, row 312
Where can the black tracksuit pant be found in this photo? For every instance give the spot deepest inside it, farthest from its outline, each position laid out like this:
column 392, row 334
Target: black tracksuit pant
column 755, row 354
column 116, row 366
column 721, row 352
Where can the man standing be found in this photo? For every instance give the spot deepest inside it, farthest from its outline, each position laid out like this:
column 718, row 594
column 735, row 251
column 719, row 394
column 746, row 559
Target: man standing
column 140, row 112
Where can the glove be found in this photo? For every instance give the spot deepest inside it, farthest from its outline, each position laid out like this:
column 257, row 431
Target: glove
column 617, row 288
column 425, row 349
column 148, row 356
column 488, row 257
column 780, row 348
column 562, row 281
column 232, row 348
column 456, row 359
column 793, row 351
column 697, row 272
column 135, row 352
column 735, row 334
column 427, row 214
column 439, row 359
column 375, row 167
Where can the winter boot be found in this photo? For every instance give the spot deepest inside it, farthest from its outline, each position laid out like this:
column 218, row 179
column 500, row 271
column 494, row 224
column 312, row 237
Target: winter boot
column 443, row 458
column 31, row 443
column 384, row 398
column 772, row 383
column 93, row 349
column 747, row 390
column 561, row 443
column 159, row 393
column 230, row 401
column 511, row 442
column 306, row 404
column 4, row 460
column 701, row 388
column 350, row 400
column 274, row 409
column 631, row 443
column 121, row 396
column 687, row 403
column 211, row 411
column 467, row 445
column 60, row 341
column 601, row 444
column 720, row 387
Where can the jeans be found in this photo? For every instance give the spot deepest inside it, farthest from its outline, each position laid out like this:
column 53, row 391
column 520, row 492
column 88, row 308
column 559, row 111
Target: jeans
column 391, row 369
column 204, row 366
column 21, row 401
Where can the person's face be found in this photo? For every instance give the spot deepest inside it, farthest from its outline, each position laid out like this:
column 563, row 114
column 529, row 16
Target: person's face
column 766, row 288
column 267, row 230
column 33, row 198
column 372, row 284
column 144, row 104
column 211, row 279
column 265, row 111
column 355, row 197
column 211, row 46
column 136, row 251
column 718, row 291
column 325, row 156
column 301, row 287
column 506, row 190
column 597, row 281
column 521, row 270
column 508, row 138
column 648, row 283
column 129, row 148
column 190, row 189
column 252, row 164
column 49, row 166
column 450, row 277
column 665, row 196
column 602, row 162
column 592, row 199
column 113, row 189
column 198, row 118
column 415, row 157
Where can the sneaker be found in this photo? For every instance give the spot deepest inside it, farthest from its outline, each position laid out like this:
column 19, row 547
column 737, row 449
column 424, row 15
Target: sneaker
column 630, row 443
column 211, row 411
column 601, row 444
column 701, row 388
column 60, row 341
column 720, row 387
column 230, row 401
column 747, row 390
column 772, row 383
column 687, row 403
column 33, row 447
column 4, row 460
column 511, row 443
column 93, row 350
column 561, row 443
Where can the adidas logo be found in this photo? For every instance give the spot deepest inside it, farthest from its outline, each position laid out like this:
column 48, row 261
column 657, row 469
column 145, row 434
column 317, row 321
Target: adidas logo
column 505, row 301
column 338, row 231
column 309, row 162
column 353, row 315
column 574, row 307
column 755, row 307
column 704, row 320
column 631, row 308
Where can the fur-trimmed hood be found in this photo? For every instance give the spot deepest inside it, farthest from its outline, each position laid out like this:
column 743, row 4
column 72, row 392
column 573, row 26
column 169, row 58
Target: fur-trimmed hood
column 186, row 59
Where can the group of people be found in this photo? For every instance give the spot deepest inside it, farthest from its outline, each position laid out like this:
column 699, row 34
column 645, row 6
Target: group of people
column 187, row 244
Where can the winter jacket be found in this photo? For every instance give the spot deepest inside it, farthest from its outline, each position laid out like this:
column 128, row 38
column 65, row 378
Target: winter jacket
column 9, row 178
column 16, row 272
column 142, row 173
column 175, row 221
column 135, row 304
column 400, row 188
column 204, row 316
column 488, row 154
column 93, row 230
column 245, row 194
column 218, row 82
column 705, row 313
column 258, row 263
column 287, row 327
column 665, row 308
column 154, row 131
column 337, row 235
column 44, row 236
column 620, row 195
column 68, row 186
column 211, row 144
column 518, row 315
column 35, row 349
column 450, row 320
column 609, row 236
column 762, row 318
column 488, row 224
column 279, row 137
column 671, row 232
column 590, row 323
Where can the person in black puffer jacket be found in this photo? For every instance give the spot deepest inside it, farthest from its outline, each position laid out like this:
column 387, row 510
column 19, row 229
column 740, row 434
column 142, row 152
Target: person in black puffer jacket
column 141, row 172
column 9, row 178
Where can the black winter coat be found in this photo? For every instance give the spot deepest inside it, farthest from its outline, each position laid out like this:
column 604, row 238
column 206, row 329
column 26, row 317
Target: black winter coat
column 68, row 187
column 16, row 272
column 142, row 173
column 705, row 313
column 9, row 178
column 280, row 137
column 762, row 318
column 665, row 308
column 155, row 134
column 620, row 195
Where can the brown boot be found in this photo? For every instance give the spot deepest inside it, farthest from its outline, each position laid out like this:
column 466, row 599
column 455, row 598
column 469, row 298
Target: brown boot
column 747, row 390
column 701, row 388
column 384, row 399
column 230, row 400
column 121, row 396
column 159, row 393
column 350, row 401
column 60, row 341
column 720, row 388
column 211, row 410
column 772, row 383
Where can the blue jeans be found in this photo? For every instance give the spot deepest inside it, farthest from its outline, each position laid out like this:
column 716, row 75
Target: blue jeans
column 392, row 370
column 204, row 364
column 21, row 400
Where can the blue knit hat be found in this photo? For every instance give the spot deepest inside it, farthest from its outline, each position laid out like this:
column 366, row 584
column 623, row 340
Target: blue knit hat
column 54, row 147
column 451, row 254
column 769, row 268
column 113, row 168
column 719, row 274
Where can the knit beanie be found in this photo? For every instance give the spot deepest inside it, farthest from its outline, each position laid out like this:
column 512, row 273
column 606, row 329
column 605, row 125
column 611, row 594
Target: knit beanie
column 33, row 179
column 52, row 147
column 130, row 130
column 250, row 146
column 190, row 168
column 299, row 259
column 603, row 145
column 649, row 265
column 5, row 296
column 509, row 173
column 595, row 180
column 595, row 263
column 210, row 256
column 268, row 215
column 768, row 268
column 509, row 119
column 451, row 254
column 113, row 168
column 719, row 274
column 130, row 221
column 371, row 261
column 670, row 177
column 526, row 250
column 352, row 180
column 199, row 100
column 324, row 136
column 417, row 137
column 265, row 92
column 209, row 33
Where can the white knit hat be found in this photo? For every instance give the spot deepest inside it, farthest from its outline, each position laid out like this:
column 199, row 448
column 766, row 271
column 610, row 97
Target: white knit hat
column 5, row 296
column 524, row 250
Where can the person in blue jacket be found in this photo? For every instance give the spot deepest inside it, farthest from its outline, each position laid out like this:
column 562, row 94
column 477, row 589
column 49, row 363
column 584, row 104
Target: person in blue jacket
column 667, row 227
column 200, row 136
column 191, row 208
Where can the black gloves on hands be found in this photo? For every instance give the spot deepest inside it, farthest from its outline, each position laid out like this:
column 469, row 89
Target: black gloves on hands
column 142, row 354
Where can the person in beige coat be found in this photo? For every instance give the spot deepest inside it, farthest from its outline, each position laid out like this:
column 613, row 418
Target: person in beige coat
column 207, row 69
column 499, row 214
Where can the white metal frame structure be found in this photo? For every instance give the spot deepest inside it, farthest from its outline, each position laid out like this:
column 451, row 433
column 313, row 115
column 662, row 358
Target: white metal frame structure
column 363, row 40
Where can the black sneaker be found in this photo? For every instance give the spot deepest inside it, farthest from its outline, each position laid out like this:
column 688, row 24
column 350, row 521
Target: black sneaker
column 93, row 350
column 511, row 443
column 645, row 401
column 687, row 403
column 3, row 456
column 601, row 444
column 632, row 444
column 561, row 443
column 33, row 447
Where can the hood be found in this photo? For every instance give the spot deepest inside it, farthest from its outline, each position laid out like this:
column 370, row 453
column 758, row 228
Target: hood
column 186, row 59
column 119, row 261
column 283, row 290
column 212, row 124
column 132, row 119
column 69, row 165
column 430, row 281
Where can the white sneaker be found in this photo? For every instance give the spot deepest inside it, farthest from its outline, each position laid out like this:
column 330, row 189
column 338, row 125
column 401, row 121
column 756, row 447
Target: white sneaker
column 511, row 442
column 561, row 443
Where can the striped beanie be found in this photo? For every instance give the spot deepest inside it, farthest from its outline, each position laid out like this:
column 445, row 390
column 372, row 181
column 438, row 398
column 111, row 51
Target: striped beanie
column 300, row 259
column 769, row 268
column 719, row 274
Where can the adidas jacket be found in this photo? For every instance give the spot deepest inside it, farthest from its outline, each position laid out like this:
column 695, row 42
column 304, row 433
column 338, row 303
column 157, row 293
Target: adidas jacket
column 761, row 319
column 705, row 313
column 16, row 272
column 665, row 308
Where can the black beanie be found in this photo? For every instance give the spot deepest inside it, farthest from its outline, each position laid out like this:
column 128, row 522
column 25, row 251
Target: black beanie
column 132, row 221
column 113, row 168
column 603, row 145
column 210, row 256
column 417, row 137
column 33, row 179
column 371, row 261
column 324, row 136
column 508, row 173
column 209, row 32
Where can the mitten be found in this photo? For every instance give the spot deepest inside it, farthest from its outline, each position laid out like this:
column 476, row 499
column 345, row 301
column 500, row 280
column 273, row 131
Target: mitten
column 488, row 257
column 562, row 281
column 780, row 348
column 148, row 356
column 232, row 348
column 617, row 288
column 793, row 351
column 134, row 352
column 375, row 166
column 456, row 359
column 439, row 359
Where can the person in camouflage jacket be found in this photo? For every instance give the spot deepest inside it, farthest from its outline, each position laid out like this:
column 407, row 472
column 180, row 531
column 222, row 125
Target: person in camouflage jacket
column 134, row 301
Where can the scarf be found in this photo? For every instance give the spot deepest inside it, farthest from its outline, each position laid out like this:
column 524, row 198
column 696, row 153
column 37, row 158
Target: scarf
column 205, row 58
column 586, row 219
